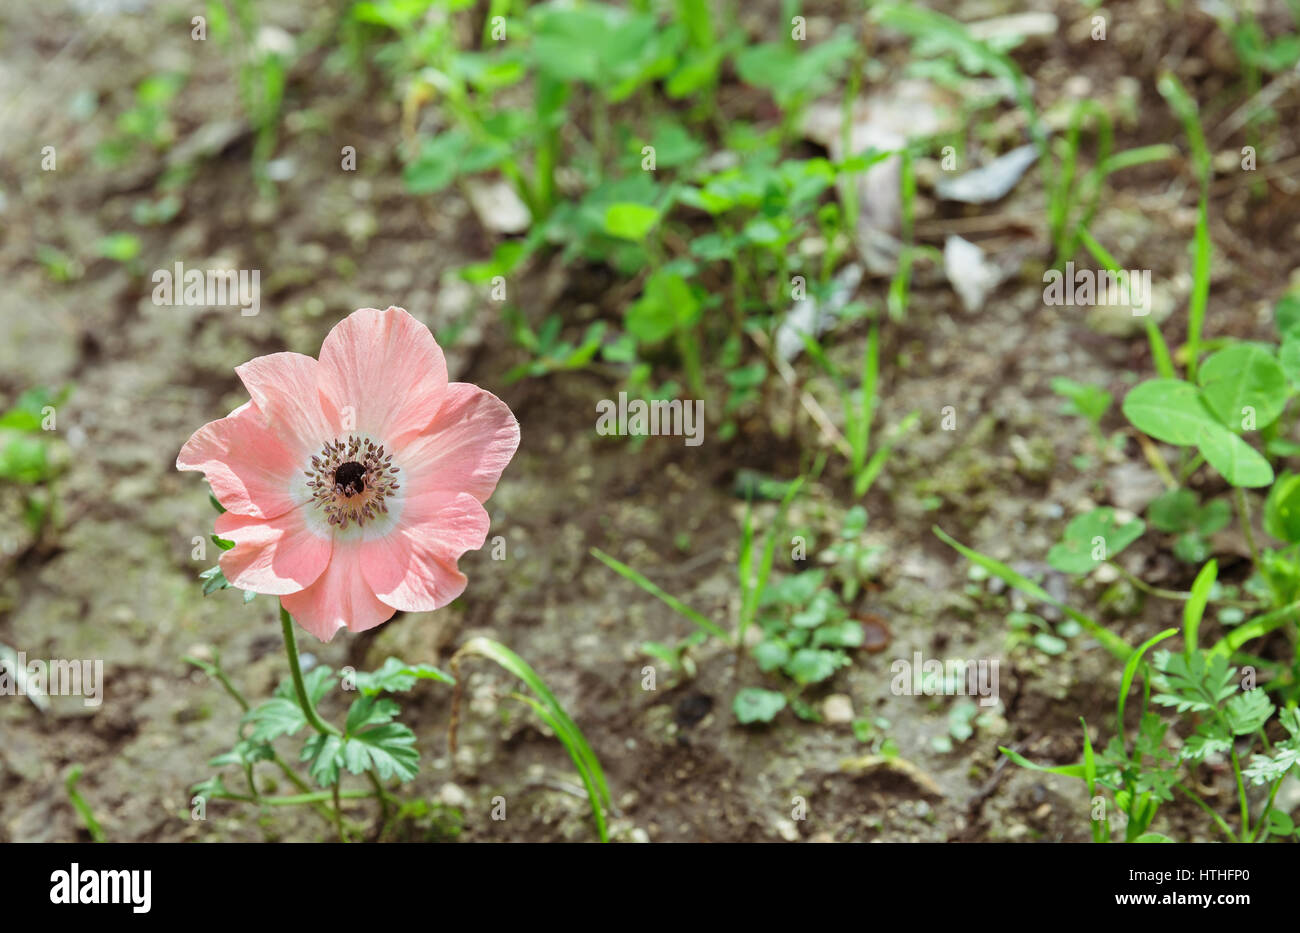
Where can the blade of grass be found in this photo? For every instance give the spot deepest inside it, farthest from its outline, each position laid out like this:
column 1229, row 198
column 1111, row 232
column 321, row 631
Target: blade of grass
column 1194, row 608
column 553, row 714
column 588, row 779
column 1074, row 771
column 668, row 599
column 860, row 435
column 1100, row 828
column 79, row 804
column 1159, row 349
column 1255, row 628
column 877, row 462
column 1109, row 640
column 1184, row 107
column 1130, row 671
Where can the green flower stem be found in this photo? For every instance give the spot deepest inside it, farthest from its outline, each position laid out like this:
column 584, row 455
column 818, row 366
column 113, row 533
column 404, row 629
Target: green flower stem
column 1208, row 809
column 1241, row 795
column 216, row 673
column 297, row 799
column 1268, row 808
column 1181, row 595
column 1147, row 587
column 295, row 668
column 1243, row 511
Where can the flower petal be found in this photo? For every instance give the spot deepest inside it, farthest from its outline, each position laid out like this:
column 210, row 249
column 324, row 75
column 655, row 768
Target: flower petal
column 385, row 368
column 285, row 389
column 466, row 448
column 341, row 597
column 251, row 472
column 413, row 567
column 277, row 556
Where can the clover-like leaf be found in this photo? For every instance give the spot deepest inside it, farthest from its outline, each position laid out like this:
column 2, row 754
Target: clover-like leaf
column 1091, row 538
column 754, row 704
column 1282, row 509
column 812, row 665
column 1237, row 462
column 1244, row 386
column 1169, row 410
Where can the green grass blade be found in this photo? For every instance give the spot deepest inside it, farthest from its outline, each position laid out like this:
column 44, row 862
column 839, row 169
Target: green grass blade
column 1074, row 771
column 79, row 804
column 668, row 599
column 867, row 477
column 1139, row 156
column 1109, row 640
column 1159, row 349
column 1255, row 628
column 860, row 436
column 1184, row 107
column 588, row 779
column 565, row 728
column 1194, row 608
column 1130, row 671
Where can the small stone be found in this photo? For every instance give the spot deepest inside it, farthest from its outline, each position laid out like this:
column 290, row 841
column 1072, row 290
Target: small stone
column 452, row 795
column 787, row 830
column 837, row 709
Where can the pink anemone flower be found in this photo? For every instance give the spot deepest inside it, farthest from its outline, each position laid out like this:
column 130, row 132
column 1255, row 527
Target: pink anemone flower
column 354, row 483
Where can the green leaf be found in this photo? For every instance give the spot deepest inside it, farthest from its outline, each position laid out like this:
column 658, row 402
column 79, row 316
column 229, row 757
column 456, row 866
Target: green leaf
column 667, row 305
column 1169, row 410
column 1109, row 640
column 1090, row 534
column 771, row 654
column 813, row 665
column 1286, row 314
column 275, row 717
column 847, row 633
column 447, row 156
column 121, row 247
column 1089, row 401
column 324, row 754
column 370, row 711
column 317, row 682
column 1050, row 644
column 1237, row 462
column 1282, row 508
column 753, row 704
column 630, row 221
column 388, row 750
column 213, row 580
column 1288, row 357
column 1248, row 711
column 1153, row 837
column 396, row 676
column 1243, row 382
column 1173, row 511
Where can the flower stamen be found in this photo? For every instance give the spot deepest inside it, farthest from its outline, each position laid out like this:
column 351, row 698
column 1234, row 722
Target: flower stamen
column 351, row 479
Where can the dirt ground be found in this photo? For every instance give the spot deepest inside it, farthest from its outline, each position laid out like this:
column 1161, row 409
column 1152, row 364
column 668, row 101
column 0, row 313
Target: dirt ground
column 117, row 581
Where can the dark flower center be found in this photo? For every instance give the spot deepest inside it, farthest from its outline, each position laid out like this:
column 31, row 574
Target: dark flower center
column 352, row 477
